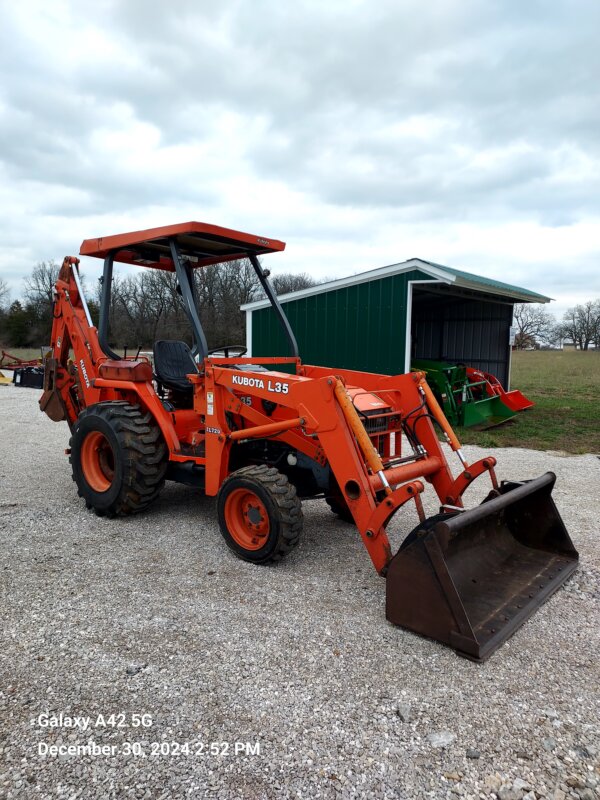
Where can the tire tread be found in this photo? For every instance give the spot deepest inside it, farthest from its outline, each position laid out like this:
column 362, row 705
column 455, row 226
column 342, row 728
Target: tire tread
column 143, row 455
column 284, row 496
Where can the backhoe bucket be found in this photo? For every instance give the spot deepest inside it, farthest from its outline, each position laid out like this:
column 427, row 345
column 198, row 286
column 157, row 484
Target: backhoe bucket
column 473, row 579
column 485, row 413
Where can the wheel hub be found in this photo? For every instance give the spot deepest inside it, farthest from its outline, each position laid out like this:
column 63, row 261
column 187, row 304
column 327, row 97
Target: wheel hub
column 253, row 515
column 97, row 461
column 247, row 519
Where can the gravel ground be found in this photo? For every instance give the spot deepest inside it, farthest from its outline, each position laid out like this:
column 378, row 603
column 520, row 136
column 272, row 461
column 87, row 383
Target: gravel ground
column 153, row 615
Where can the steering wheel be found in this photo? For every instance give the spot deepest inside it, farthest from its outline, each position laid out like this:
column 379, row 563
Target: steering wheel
column 238, row 350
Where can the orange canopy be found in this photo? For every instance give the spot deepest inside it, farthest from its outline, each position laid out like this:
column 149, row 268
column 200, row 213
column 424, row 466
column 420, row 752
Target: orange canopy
column 200, row 243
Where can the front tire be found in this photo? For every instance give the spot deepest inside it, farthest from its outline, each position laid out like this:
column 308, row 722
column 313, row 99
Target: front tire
column 260, row 515
column 118, row 458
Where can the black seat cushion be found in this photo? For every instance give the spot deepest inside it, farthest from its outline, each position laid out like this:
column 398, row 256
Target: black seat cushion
column 173, row 360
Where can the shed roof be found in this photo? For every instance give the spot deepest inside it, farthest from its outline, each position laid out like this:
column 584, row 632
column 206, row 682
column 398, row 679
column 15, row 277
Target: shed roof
column 438, row 273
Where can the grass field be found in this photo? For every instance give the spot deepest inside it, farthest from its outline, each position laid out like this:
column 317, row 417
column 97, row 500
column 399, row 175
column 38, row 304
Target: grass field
column 565, row 387
column 26, row 353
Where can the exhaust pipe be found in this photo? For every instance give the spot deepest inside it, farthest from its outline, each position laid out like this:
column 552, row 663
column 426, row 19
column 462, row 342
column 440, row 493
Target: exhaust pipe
column 471, row 580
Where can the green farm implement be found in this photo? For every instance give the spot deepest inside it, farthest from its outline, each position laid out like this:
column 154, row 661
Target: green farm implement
column 463, row 400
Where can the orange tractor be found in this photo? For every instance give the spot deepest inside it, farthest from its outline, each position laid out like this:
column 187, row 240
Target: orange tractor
column 260, row 433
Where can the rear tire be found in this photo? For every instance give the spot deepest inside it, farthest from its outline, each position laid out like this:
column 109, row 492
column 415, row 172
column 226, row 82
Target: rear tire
column 260, row 515
column 118, row 458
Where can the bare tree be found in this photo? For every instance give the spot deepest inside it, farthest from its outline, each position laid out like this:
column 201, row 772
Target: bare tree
column 39, row 286
column 581, row 324
column 38, row 295
column 221, row 290
column 534, row 325
column 292, row 282
column 4, row 294
column 596, row 336
column 147, row 305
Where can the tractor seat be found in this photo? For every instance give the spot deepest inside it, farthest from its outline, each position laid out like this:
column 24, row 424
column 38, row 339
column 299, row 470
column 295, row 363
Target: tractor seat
column 173, row 360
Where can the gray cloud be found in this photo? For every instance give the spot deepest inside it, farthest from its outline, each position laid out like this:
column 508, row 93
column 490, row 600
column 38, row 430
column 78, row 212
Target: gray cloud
column 336, row 123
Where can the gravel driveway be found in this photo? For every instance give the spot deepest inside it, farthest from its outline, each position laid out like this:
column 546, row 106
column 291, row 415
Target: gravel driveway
column 292, row 666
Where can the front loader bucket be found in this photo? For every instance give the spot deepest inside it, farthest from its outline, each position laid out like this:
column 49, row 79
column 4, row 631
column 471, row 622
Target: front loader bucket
column 474, row 578
column 485, row 413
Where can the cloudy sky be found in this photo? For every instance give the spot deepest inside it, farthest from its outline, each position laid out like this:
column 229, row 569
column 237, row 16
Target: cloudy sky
column 361, row 133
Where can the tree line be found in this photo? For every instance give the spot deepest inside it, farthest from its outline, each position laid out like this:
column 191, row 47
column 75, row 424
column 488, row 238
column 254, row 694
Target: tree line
column 536, row 327
column 145, row 306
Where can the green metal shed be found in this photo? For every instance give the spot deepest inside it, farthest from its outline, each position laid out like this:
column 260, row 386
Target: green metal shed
column 378, row 320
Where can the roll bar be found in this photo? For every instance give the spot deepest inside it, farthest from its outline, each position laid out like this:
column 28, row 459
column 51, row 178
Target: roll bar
column 105, row 306
column 279, row 312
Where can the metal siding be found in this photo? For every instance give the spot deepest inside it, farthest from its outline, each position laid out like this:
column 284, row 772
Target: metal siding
column 471, row 331
column 361, row 326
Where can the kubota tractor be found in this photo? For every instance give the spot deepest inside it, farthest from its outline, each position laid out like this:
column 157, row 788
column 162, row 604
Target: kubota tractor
column 258, row 439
